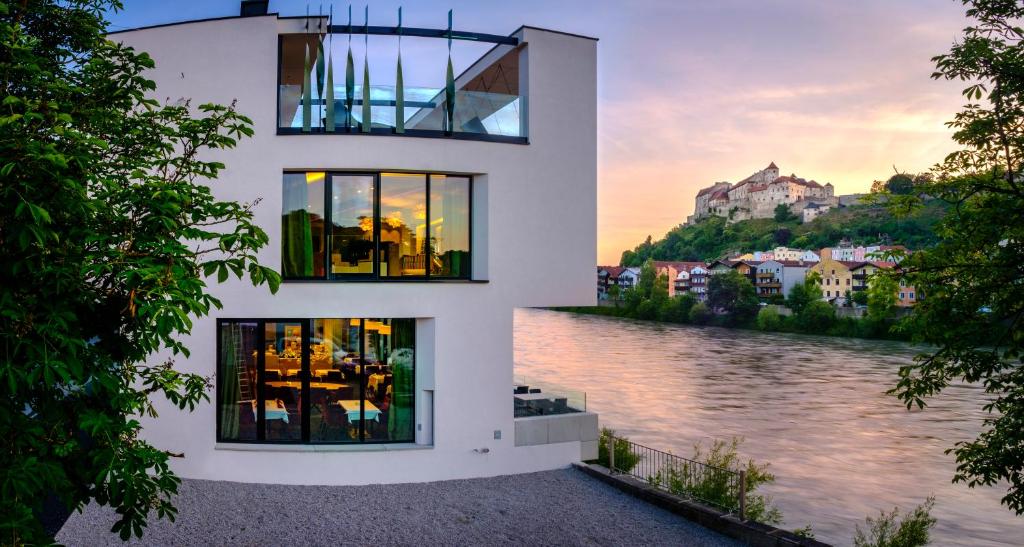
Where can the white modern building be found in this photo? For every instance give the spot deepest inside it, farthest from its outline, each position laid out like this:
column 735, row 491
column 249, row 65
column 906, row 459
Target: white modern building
column 402, row 223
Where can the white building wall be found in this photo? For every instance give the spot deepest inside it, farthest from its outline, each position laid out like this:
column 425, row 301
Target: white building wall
column 534, row 204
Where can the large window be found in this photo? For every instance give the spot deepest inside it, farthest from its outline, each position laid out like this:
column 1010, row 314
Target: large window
column 316, row 381
column 379, row 226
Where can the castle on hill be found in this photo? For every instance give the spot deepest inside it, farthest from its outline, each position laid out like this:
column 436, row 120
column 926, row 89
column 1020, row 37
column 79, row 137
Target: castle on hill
column 758, row 195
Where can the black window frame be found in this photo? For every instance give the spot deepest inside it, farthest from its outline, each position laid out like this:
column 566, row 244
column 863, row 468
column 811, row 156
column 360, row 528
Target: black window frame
column 375, row 277
column 305, row 376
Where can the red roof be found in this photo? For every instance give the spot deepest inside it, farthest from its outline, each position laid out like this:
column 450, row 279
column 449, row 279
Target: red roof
column 613, row 271
column 677, row 265
column 772, row 165
column 721, row 194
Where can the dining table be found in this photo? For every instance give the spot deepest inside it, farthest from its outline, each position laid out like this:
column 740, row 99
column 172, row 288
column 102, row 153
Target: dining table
column 313, row 385
column 351, row 409
column 273, row 410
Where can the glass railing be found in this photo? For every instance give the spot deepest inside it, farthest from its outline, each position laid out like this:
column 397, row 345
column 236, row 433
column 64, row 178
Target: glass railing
column 539, row 398
column 475, row 112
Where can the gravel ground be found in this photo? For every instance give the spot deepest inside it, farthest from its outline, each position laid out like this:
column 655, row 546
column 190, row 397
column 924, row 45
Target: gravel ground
column 563, row 507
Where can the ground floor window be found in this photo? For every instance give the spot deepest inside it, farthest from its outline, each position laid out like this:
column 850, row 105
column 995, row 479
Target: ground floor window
column 347, row 380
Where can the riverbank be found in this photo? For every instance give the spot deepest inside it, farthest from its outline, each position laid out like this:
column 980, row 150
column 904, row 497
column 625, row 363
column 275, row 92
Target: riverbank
column 813, row 407
column 840, row 327
column 562, row 507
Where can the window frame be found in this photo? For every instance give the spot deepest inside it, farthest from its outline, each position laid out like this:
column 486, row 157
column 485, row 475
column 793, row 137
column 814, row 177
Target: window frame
column 376, row 277
column 306, row 332
column 384, row 131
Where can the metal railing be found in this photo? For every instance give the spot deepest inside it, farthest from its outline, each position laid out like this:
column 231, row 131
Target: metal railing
column 719, row 487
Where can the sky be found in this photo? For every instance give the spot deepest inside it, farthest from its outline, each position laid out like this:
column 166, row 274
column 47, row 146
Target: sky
column 691, row 92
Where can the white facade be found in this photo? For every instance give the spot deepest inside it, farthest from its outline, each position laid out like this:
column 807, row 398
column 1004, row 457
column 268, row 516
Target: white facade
column 531, row 204
column 629, row 278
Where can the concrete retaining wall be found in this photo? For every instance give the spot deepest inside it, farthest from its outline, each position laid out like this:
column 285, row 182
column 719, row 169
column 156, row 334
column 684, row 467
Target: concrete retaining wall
column 578, row 427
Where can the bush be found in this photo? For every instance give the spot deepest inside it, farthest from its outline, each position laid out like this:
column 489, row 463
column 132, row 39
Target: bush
column 700, row 314
column 716, row 485
column 647, row 309
column 768, row 319
column 677, row 309
column 625, row 460
column 913, row 531
column 777, row 298
column 816, row 317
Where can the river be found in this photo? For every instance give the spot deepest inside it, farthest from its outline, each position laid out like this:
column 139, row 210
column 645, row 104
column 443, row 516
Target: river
column 814, row 407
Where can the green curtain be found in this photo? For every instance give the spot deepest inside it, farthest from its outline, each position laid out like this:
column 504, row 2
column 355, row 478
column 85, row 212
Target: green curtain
column 297, row 243
column 296, row 230
column 230, row 391
column 400, row 414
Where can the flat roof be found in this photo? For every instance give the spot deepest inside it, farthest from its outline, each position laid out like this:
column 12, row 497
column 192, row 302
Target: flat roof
column 279, row 16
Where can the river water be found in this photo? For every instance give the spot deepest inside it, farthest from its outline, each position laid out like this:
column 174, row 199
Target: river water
column 814, row 407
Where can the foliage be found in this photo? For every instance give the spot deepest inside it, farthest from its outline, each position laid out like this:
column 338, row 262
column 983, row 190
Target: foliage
column 713, row 480
column 107, row 233
column 973, row 279
column 804, row 293
column 860, row 298
column 625, row 459
column 912, row 531
column 881, row 297
column 733, row 294
column 768, row 319
column 817, row 317
column 714, row 237
column 614, row 293
column 650, row 295
column 677, row 309
column 783, row 214
column 700, row 314
column 806, row 532
column 900, row 184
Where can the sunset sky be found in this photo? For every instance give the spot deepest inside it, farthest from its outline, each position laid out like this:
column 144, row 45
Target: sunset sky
column 691, row 92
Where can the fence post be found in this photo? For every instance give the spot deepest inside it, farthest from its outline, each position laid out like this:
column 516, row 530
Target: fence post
column 611, row 455
column 743, row 495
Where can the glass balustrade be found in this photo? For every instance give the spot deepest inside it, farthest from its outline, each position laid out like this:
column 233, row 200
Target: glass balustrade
column 475, row 112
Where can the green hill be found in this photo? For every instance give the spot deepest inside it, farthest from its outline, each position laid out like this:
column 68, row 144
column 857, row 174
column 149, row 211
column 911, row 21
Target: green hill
column 863, row 224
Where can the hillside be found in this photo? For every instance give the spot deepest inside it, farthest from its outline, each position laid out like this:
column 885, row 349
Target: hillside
column 863, row 224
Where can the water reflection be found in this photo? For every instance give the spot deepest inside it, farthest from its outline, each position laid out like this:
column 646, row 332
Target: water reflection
column 815, row 407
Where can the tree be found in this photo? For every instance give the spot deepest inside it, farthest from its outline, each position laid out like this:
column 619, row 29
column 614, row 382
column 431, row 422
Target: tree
column 700, row 314
column 816, row 317
column 768, row 319
column 677, row 309
column 974, row 276
column 733, row 294
column 804, row 293
column 882, row 297
column 107, row 234
column 900, row 184
column 860, row 298
column 783, row 214
column 614, row 294
column 782, row 236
